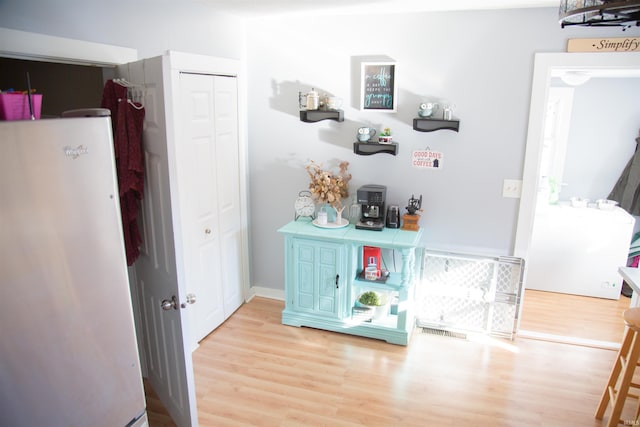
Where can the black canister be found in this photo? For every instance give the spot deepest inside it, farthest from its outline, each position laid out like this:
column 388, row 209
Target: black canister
column 393, row 217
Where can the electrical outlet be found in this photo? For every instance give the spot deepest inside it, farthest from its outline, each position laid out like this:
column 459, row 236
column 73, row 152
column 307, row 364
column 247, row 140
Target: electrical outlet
column 512, row 188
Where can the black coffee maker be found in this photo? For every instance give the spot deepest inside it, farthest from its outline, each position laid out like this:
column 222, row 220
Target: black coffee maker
column 372, row 213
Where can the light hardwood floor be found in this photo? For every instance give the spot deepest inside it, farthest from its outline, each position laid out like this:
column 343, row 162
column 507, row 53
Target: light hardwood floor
column 573, row 315
column 254, row 371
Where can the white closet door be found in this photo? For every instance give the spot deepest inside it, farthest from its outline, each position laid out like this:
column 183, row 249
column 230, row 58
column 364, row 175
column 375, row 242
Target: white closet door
column 208, row 166
column 167, row 341
column 228, row 174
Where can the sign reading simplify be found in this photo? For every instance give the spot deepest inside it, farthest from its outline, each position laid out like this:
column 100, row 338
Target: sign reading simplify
column 427, row 159
column 619, row 44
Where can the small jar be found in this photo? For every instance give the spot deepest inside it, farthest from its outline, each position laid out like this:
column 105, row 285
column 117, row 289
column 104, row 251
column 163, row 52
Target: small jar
column 313, row 100
column 447, row 113
column 322, row 217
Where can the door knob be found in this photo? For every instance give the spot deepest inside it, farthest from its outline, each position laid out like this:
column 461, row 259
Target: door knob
column 167, row 304
column 191, row 299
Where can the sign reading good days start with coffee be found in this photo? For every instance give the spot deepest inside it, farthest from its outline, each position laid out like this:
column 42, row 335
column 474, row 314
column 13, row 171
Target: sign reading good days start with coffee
column 427, row 159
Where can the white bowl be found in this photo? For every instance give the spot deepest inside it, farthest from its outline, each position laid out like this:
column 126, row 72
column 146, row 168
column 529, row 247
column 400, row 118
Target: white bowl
column 579, row 202
column 606, row 205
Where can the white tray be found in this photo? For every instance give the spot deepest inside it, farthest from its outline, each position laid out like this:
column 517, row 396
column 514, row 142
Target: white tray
column 344, row 223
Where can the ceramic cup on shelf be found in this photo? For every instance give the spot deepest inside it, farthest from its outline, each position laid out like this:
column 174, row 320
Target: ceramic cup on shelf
column 333, row 102
column 365, row 134
column 426, row 109
column 372, row 273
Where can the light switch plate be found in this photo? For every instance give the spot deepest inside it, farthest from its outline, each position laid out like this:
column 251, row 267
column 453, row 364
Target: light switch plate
column 512, row 188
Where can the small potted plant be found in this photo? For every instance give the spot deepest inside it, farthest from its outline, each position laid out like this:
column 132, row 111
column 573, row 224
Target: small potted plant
column 375, row 301
column 385, row 136
column 370, row 299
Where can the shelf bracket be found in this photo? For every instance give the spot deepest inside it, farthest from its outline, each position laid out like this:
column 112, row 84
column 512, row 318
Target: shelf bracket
column 430, row 125
column 369, row 148
column 312, row 116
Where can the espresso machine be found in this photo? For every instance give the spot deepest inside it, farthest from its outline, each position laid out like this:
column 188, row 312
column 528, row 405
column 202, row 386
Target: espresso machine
column 372, row 212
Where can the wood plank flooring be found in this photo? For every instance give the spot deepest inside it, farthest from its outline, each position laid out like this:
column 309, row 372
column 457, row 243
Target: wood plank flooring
column 254, row 371
column 156, row 412
column 573, row 315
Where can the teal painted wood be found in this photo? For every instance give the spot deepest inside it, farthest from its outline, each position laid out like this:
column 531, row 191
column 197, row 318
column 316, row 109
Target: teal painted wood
column 322, row 283
column 388, row 237
column 318, row 272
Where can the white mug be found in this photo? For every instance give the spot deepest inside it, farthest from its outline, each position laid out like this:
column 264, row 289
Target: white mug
column 372, row 273
column 333, row 102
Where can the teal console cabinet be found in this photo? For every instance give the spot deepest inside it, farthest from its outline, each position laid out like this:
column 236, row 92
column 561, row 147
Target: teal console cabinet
column 323, row 280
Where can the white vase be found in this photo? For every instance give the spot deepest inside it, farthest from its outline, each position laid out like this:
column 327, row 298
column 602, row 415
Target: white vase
column 339, row 215
column 378, row 311
column 381, row 311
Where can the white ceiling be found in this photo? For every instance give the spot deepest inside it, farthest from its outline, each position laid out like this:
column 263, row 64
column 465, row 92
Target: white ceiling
column 266, row 8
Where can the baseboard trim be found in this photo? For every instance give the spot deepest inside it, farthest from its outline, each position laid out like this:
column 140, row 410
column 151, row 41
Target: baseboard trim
column 607, row 345
column 259, row 291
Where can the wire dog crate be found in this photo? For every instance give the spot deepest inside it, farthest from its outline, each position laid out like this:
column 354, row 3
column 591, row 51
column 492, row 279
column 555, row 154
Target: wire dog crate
column 470, row 293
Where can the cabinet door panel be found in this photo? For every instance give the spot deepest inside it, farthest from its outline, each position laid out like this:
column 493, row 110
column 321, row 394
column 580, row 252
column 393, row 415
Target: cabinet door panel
column 327, row 291
column 317, row 266
column 304, row 278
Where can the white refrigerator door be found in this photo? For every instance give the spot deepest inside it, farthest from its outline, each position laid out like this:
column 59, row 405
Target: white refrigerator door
column 68, row 354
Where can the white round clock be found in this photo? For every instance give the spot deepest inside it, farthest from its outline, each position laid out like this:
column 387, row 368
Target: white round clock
column 304, row 205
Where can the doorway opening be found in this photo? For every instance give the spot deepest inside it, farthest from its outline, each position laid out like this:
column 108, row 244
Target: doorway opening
column 545, row 312
column 63, row 86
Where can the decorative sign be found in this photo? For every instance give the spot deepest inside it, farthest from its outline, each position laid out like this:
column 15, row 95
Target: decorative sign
column 427, row 159
column 378, row 86
column 620, row 44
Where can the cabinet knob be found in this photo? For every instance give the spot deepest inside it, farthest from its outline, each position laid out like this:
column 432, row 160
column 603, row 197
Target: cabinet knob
column 207, row 231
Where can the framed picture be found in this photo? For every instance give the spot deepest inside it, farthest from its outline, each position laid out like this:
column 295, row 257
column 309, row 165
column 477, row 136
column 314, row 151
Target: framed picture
column 378, row 89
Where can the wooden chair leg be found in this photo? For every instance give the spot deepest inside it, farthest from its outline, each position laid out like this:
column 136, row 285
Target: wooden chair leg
column 627, row 377
column 615, row 372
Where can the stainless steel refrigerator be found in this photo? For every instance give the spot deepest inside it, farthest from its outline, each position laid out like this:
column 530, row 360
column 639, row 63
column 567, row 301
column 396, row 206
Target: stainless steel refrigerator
column 68, row 353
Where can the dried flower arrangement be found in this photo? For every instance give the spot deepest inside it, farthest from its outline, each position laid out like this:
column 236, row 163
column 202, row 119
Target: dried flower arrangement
column 328, row 187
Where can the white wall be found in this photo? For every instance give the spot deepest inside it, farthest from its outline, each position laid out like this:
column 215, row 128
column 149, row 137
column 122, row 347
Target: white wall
column 604, row 126
column 151, row 27
column 480, row 61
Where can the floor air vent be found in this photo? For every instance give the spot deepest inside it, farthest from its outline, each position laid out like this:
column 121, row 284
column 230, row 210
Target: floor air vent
column 442, row 333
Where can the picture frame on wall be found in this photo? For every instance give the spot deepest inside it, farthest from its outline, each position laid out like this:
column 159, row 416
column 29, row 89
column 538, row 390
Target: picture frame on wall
column 378, row 88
